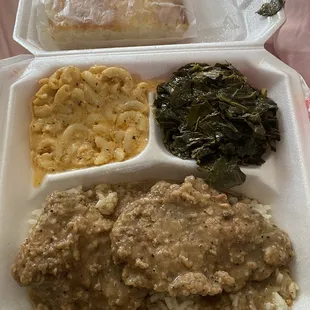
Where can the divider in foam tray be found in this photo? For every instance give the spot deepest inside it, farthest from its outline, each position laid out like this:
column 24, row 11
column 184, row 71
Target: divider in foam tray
column 213, row 22
column 282, row 182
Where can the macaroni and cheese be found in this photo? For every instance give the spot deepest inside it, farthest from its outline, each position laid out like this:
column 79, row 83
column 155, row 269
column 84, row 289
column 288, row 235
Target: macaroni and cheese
column 87, row 118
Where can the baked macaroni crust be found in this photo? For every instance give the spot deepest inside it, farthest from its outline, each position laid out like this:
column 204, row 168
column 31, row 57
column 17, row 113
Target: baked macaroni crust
column 87, row 118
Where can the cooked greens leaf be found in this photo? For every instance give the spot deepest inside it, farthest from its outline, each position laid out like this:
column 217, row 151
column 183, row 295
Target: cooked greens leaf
column 212, row 115
column 222, row 174
column 271, row 8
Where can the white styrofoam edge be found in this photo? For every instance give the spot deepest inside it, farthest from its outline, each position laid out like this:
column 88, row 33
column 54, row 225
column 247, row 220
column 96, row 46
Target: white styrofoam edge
column 264, row 38
column 299, row 89
column 24, row 11
column 10, row 70
column 304, row 85
column 299, row 85
column 6, row 62
column 21, row 14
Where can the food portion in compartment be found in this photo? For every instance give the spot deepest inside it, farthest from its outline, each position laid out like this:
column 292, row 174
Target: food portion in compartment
column 188, row 239
column 96, row 23
column 87, row 118
column 155, row 246
column 67, row 261
column 212, row 115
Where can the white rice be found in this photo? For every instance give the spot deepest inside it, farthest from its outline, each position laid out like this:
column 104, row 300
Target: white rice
column 163, row 302
column 35, row 214
column 279, row 302
column 264, row 210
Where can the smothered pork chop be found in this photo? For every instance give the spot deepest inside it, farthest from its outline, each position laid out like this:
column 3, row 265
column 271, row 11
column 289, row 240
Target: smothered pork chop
column 143, row 246
column 66, row 261
column 188, row 239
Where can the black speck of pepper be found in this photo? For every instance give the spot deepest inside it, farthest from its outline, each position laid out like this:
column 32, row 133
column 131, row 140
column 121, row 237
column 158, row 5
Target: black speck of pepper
column 134, row 137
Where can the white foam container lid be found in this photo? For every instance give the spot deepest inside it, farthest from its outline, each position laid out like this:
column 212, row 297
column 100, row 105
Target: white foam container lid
column 282, row 182
column 219, row 23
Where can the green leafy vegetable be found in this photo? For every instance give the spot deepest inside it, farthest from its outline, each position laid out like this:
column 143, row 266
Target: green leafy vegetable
column 271, row 8
column 212, row 115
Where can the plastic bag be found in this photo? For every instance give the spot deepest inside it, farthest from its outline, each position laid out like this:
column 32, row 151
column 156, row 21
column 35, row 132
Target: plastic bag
column 78, row 24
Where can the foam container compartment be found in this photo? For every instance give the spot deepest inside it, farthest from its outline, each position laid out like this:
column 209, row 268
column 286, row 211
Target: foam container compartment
column 283, row 181
column 219, row 22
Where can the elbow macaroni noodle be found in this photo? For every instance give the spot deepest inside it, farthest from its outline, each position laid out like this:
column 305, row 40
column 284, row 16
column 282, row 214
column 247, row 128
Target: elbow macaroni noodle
column 89, row 118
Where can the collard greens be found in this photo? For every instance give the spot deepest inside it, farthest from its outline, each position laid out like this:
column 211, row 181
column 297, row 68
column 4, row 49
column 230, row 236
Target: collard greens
column 212, row 115
column 271, row 8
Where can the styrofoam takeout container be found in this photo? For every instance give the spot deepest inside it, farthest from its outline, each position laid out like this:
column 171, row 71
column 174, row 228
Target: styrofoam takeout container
column 283, row 181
